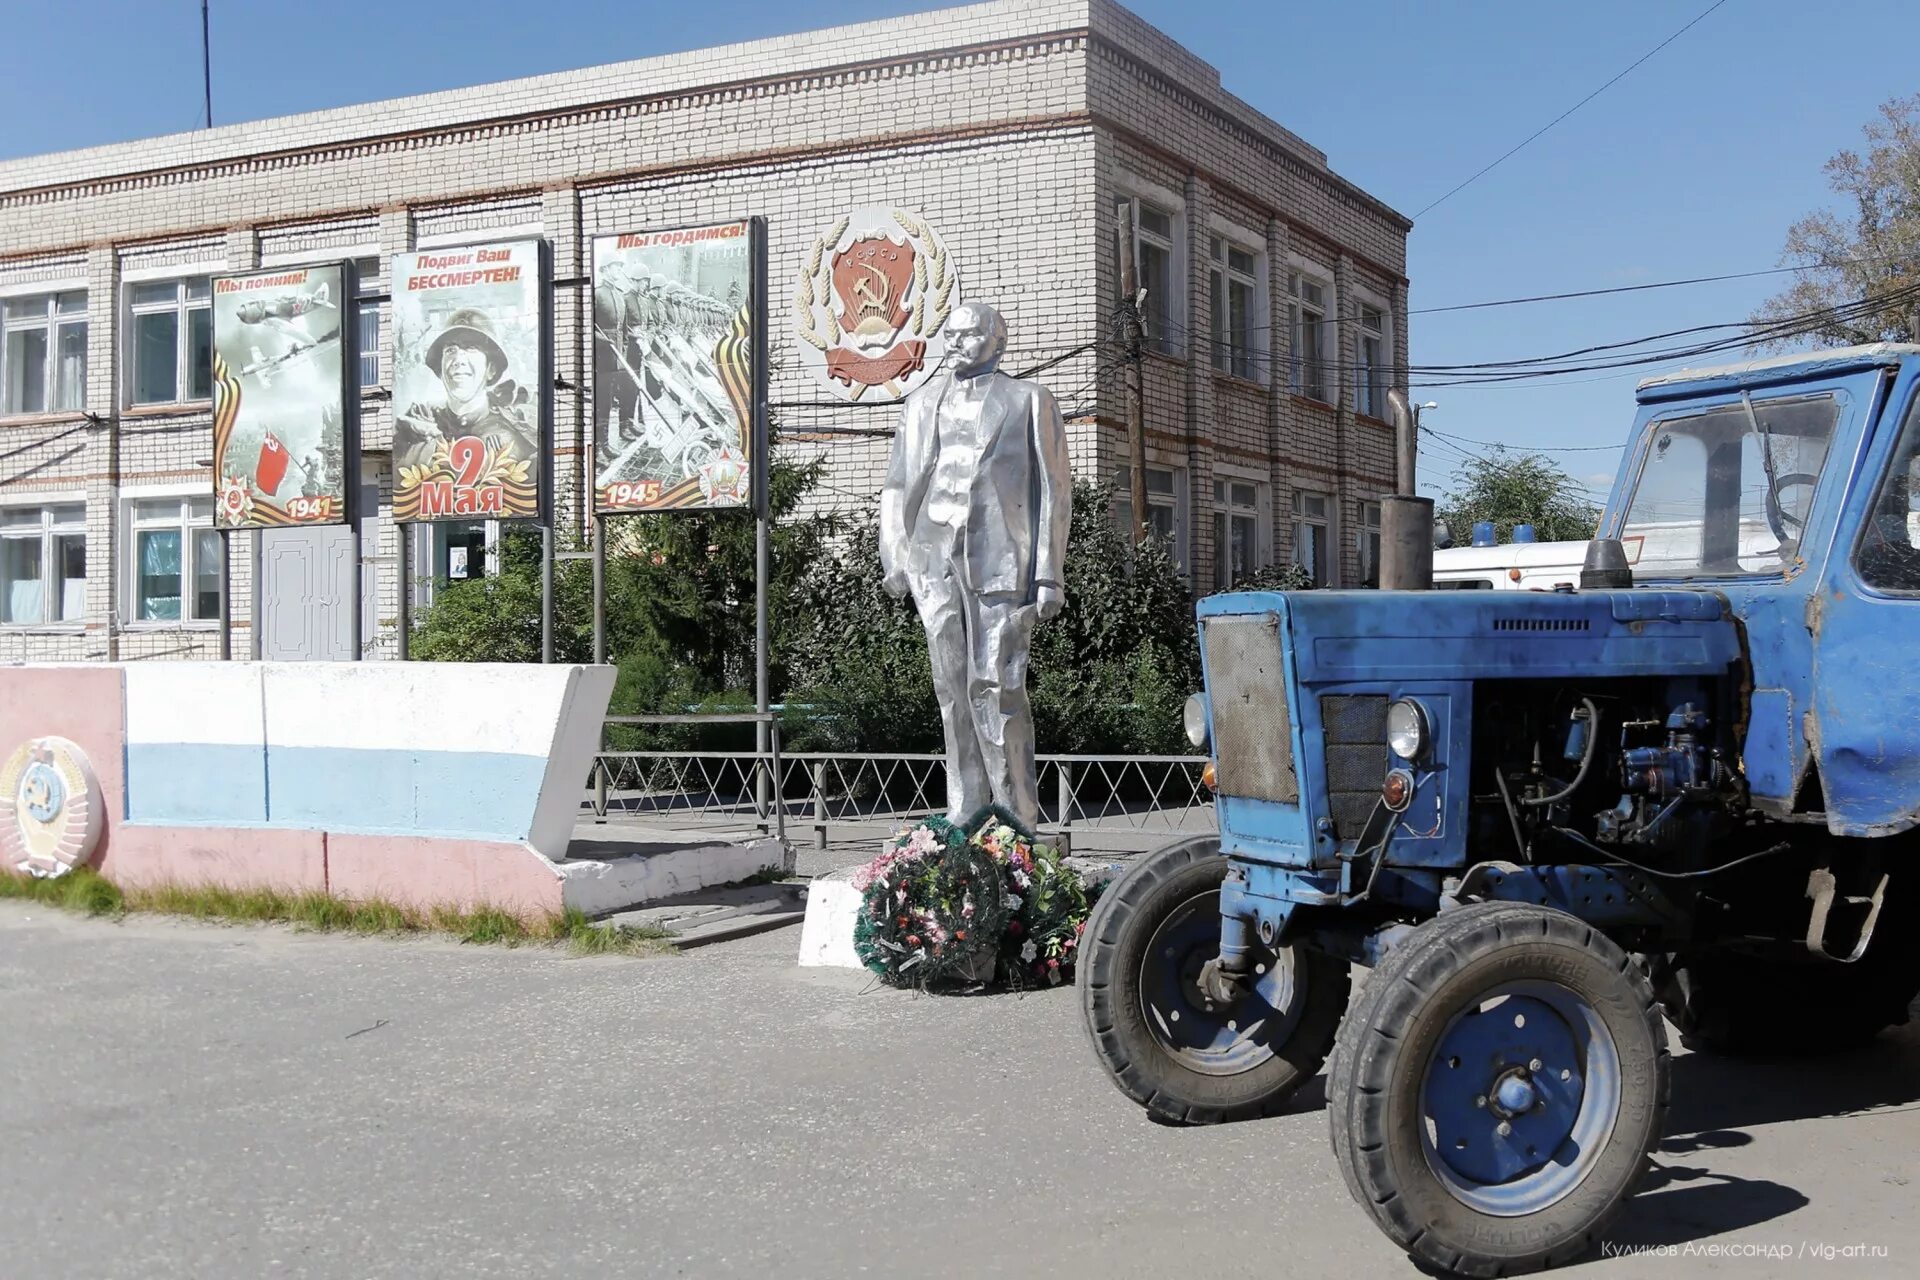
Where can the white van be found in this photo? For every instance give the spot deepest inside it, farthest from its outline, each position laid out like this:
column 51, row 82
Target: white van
column 1509, row 566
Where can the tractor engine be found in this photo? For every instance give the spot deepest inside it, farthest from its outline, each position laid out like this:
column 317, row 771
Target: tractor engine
column 1564, row 774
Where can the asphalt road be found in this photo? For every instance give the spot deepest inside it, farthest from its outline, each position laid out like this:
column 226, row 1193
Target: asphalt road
column 197, row 1101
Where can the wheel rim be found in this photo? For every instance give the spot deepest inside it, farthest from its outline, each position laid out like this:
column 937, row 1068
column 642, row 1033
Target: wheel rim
column 1536, row 1059
column 1202, row 1035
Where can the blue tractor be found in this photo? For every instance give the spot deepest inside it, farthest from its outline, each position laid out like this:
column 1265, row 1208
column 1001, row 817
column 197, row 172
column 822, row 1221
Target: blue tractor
column 1686, row 784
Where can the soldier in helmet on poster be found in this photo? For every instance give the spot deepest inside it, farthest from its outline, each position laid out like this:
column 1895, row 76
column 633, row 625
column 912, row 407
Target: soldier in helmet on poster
column 480, row 399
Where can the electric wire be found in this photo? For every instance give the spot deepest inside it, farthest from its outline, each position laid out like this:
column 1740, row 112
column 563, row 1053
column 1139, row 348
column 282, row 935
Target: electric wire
column 1524, row 142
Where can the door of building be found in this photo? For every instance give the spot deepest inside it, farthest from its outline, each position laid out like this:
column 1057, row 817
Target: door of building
column 306, row 581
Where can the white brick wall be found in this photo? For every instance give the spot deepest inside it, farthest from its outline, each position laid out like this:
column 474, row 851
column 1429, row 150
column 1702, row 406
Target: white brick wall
column 1008, row 125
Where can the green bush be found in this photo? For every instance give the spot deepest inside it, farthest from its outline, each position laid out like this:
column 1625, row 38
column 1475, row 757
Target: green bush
column 849, row 662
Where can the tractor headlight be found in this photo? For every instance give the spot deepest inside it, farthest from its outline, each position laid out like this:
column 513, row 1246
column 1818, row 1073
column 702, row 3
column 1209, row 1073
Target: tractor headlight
column 1407, row 729
column 1195, row 716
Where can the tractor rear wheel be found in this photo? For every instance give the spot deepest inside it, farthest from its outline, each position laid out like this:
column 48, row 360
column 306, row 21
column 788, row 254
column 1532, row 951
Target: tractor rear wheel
column 1184, row 1057
column 1761, row 1006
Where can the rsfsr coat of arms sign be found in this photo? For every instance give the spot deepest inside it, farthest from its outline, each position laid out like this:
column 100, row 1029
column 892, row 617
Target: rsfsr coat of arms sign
column 869, row 302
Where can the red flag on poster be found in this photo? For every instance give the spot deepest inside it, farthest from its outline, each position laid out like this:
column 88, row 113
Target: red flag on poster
column 271, row 469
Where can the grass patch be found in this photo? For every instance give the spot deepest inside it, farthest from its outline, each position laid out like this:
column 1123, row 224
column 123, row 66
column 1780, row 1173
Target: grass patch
column 87, row 892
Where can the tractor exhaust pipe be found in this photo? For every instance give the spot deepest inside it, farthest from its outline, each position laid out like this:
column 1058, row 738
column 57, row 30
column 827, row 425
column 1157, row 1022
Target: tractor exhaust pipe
column 1406, row 521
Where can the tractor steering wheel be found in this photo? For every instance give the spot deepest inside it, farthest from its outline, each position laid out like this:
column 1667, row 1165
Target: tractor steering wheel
column 1785, row 526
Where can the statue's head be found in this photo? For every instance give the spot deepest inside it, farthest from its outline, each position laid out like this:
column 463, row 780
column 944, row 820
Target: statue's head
column 976, row 335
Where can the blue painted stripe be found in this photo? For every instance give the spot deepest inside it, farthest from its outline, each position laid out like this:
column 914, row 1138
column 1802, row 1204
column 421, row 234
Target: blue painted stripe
column 202, row 783
column 466, row 793
column 475, row 794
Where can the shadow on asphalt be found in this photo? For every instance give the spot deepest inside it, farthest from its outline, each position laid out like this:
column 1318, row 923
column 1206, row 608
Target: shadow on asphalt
column 1717, row 1102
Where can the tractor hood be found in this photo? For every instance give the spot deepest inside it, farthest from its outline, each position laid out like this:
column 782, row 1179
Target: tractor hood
column 1342, row 636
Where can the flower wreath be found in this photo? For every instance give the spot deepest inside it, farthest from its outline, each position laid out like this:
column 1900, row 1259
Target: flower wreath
column 947, row 905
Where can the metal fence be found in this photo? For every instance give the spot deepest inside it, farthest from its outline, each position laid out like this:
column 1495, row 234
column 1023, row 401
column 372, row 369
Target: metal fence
column 1088, row 803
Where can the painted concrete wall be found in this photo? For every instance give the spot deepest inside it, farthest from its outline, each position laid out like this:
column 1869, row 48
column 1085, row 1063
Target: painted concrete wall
column 421, row 782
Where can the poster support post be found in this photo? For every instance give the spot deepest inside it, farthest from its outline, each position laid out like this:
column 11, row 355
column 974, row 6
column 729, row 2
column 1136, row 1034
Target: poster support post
column 226, row 596
column 762, row 512
column 546, row 591
column 403, row 570
column 599, row 588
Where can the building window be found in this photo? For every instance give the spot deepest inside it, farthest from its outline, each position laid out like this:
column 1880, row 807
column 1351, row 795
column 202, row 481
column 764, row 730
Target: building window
column 1163, row 509
column 1369, row 544
column 1236, row 531
column 43, row 564
column 1153, row 260
column 1370, row 379
column 1307, row 313
column 176, row 560
column 170, row 348
column 45, row 352
column 1232, row 275
column 367, row 281
column 1311, row 530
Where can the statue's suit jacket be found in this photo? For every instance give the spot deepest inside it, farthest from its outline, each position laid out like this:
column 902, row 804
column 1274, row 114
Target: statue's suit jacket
column 1020, row 496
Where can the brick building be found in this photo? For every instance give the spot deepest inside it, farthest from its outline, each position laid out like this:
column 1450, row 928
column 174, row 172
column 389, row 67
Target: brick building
column 1276, row 290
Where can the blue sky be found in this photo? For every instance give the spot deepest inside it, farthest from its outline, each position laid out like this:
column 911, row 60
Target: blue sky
column 1692, row 165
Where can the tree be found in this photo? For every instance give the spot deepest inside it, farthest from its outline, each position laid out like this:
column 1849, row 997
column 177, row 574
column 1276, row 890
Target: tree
column 1868, row 248
column 1517, row 488
column 680, row 621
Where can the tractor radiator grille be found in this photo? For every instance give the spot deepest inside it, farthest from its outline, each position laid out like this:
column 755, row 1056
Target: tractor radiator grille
column 1247, row 692
column 1354, row 727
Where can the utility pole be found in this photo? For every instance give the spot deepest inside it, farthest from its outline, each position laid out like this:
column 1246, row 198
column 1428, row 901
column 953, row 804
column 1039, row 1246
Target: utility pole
column 206, row 64
column 1130, row 300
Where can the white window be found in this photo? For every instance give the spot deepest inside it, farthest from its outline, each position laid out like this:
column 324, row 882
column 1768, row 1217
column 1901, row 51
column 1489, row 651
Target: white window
column 170, row 342
column 1312, row 528
column 1369, row 544
column 1370, row 379
column 45, row 352
column 1307, row 314
column 367, row 278
column 1163, row 509
column 43, row 564
column 1232, row 276
column 1236, row 531
column 1153, row 265
column 175, row 574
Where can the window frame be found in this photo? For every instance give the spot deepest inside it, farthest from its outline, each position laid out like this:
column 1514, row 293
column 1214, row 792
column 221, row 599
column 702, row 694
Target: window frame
column 52, row 321
column 1232, row 354
column 1907, row 432
column 1324, row 522
column 49, row 531
column 371, row 304
column 1372, row 379
column 182, row 307
column 132, row 524
column 1299, row 276
column 1170, row 321
column 1227, row 508
column 1171, row 500
column 1367, row 543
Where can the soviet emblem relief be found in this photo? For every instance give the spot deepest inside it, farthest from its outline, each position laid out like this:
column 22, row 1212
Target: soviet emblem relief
column 870, row 302
column 50, row 811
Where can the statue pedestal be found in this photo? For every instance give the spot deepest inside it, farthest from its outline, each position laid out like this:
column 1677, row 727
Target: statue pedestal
column 826, row 934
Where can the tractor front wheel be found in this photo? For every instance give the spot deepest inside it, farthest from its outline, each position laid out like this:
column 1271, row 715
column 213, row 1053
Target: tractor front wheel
column 1497, row 1088
column 1185, row 1057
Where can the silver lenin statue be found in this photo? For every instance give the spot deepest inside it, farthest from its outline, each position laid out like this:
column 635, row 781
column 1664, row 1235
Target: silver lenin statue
column 973, row 522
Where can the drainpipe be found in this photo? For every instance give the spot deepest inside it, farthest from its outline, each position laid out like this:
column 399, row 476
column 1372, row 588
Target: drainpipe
column 1406, row 521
